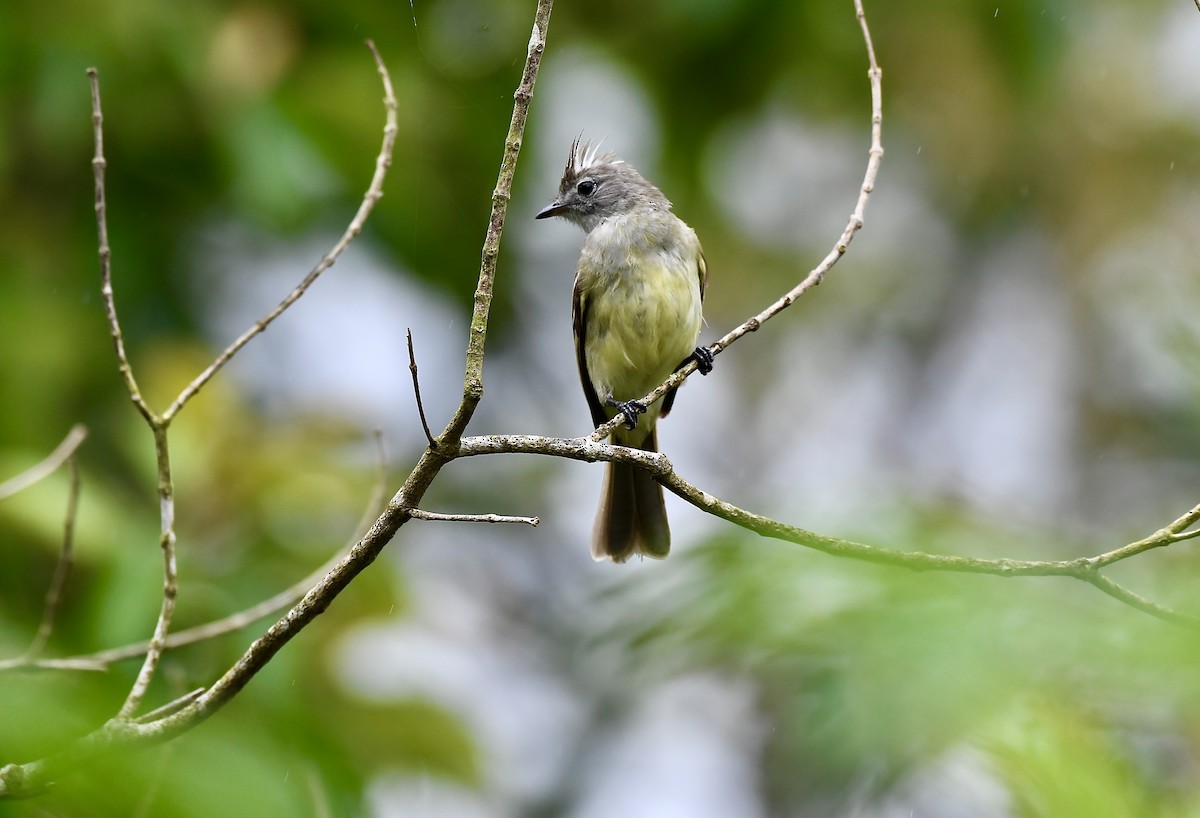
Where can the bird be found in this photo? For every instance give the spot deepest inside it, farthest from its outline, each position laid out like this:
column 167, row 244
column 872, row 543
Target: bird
column 637, row 312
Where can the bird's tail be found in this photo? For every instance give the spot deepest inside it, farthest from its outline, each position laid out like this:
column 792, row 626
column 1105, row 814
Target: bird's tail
column 632, row 517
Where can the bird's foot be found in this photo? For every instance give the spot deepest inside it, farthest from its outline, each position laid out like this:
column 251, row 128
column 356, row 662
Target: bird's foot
column 704, row 360
column 630, row 409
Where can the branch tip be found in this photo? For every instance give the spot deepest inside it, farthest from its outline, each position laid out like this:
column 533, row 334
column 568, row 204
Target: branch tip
column 412, row 367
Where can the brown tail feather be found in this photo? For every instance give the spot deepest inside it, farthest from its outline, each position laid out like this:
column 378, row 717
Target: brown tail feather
column 632, row 517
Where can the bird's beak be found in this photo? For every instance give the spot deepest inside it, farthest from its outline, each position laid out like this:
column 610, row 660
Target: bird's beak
column 553, row 209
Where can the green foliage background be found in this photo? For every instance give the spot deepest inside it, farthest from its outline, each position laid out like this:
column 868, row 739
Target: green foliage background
column 1014, row 117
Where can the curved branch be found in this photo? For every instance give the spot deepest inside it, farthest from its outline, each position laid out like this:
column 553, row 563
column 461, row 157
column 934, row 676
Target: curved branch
column 1085, row 569
column 62, row 452
column 818, row 273
column 374, row 193
column 24, row 780
column 101, row 660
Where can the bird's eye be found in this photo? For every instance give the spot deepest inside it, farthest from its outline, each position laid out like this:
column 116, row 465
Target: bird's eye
column 586, row 188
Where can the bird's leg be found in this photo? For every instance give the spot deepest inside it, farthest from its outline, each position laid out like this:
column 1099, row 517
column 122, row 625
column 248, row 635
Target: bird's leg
column 704, row 360
column 630, row 409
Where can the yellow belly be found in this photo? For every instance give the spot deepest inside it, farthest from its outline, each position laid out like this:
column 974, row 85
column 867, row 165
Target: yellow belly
column 639, row 329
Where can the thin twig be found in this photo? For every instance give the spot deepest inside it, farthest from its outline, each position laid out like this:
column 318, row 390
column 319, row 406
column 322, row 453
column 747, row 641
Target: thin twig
column 158, row 642
column 1133, row 600
column 166, row 611
column 56, row 458
column 23, row 780
column 374, row 193
column 1178, row 529
column 173, row 706
column 419, row 479
column 473, row 376
column 434, row 516
column 65, row 559
column 99, row 165
column 1187, row 535
column 1163, row 537
column 412, row 367
column 101, row 660
column 157, row 425
column 817, row 274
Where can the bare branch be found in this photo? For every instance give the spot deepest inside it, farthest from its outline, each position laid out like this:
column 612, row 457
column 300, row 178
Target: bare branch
column 157, row 424
column 473, row 377
column 433, row 516
column 44, row 469
column 173, row 706
column 1173, row 533
column 22, row 780
column 1123, row 594
column 99, row 165
column 1178, row 530
column 430, row 464
column 586, row 449
column 185, row 713
column 166, row 611
column 412, row 367
column 817, row 274
column 101, row 660
column 374, row 193
column 62, row 568
column 72, row 663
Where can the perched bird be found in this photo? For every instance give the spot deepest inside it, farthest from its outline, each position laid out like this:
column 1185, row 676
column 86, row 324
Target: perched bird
column 637, row 315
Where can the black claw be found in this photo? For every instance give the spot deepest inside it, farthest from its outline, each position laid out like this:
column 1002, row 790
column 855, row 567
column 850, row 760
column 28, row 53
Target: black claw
column 704, row 359
column 630, row 409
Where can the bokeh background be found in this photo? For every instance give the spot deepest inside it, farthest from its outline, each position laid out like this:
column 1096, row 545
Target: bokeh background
column 1005, row 364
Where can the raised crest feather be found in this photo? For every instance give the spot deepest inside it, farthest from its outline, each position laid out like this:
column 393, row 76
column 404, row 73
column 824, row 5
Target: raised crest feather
column 587, row 155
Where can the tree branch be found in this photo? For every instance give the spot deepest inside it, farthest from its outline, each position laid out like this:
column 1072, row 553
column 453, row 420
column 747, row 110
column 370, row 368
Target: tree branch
column 101, row 660
column 523, row 96
column 157, row 425
column 433, row 516
column 62, row 568
column 23, row 780
column 99, row 165
column 70, row 444
column 1085, row 569
column 412, row 367
column 374, row 193
column 817, row 274
column 126, row 731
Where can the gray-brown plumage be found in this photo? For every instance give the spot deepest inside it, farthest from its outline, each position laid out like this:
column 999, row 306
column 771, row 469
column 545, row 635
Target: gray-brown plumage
column 637, row 301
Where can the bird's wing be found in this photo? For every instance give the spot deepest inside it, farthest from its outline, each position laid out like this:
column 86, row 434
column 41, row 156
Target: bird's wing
column 579, row 316
column 702, row 272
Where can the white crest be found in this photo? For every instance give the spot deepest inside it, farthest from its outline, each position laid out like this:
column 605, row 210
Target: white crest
column 587, row 155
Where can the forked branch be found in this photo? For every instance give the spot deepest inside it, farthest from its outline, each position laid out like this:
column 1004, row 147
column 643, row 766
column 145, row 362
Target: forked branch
column 23, row 780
